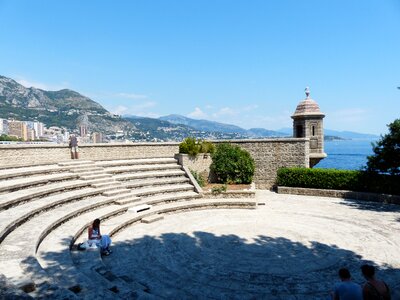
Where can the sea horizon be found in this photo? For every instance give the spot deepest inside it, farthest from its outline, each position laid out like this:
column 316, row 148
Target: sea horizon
column 346, row 154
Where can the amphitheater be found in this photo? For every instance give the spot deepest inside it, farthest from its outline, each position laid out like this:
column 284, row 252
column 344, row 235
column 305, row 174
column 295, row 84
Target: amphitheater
column 169, row 241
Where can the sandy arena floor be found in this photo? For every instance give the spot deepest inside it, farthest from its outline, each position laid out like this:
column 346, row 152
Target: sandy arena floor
column 291, row 248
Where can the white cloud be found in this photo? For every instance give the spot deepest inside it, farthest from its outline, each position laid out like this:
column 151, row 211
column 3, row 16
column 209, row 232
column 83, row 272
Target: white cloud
column 226, row 111
column 139, row 109
column 119, row 110
column 197, row 113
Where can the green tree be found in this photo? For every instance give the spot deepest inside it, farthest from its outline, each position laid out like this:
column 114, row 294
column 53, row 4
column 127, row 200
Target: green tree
column 5, row 137
column 386, row 158
column 231, row 164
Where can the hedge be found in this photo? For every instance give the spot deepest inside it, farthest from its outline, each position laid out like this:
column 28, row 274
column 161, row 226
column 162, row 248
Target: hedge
column 360, row 181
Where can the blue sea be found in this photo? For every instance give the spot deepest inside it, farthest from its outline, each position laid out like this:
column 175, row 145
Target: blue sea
column 346, row 154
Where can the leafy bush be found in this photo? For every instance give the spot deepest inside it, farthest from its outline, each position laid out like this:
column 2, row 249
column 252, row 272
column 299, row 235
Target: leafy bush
column 207, row 147
column 339, row 180
column 192, row 147
column 199, row 178
column 219, row 189
column 5, row 137
column 231, row 164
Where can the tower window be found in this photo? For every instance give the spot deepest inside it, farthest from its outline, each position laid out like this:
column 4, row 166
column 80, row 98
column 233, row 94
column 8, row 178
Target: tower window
column 299, row 131
column 313, row 130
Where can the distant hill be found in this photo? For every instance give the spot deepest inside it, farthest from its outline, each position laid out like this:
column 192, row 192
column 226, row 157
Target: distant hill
column 339, row 134
column 204, row 125
column 55, row 108
column 212, row 126
column 261, row 132
column 155, row 129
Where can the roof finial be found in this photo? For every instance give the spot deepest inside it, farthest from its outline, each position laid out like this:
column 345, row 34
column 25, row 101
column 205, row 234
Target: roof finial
column 307, row 91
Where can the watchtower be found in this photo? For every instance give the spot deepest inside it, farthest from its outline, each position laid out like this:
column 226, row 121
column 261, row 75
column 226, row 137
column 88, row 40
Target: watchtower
column 308, row 123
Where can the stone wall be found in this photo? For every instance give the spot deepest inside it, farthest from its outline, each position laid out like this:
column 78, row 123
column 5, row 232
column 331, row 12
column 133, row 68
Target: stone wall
column 199, row 163
column 269, row 154
column 25, row 155
column 272, row 154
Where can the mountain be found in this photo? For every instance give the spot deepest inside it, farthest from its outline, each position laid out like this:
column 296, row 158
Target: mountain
column 203, row 125
column 211, row 126
column 61, row 108
column 341, row 134
column 261, row 132
column 154, row 129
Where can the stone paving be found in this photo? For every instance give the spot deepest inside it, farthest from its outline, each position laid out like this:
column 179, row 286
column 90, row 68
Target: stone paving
column 291, row 248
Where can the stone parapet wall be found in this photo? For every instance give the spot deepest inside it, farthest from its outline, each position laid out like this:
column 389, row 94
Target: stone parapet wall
column 272, row 154
column 269, row 154
column 26, row 155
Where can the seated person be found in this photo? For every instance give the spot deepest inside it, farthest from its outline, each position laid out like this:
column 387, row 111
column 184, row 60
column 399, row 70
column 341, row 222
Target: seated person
column 95, row 238
column 346, row 289
column 374, row 288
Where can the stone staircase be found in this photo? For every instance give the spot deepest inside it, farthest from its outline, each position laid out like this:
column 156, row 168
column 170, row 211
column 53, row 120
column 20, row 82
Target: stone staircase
column 45, row 209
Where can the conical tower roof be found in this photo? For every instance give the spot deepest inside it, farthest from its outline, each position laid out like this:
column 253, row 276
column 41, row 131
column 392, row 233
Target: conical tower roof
column 307, row 107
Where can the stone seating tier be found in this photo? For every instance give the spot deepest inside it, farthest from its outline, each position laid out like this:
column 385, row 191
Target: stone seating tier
column 6, row 174
column 44, row 209
column 56, row 246
column 20, row 183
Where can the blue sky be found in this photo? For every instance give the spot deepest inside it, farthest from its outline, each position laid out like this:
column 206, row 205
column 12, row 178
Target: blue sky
column 242, row 62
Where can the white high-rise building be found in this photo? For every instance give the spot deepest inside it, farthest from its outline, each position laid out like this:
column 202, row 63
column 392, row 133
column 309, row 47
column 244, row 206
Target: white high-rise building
column 39, row 129
column 3, row 126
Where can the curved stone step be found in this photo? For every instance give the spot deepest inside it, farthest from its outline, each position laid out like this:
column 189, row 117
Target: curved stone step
column 155, row 181
column 113, row 226
column 13, row 184
column 17, row 247
column 148, row 174
column 26, row 171
column 73, row 163
column 12, row 218
column 95, row 176
column 138, row 168
column 143, row 161
column 117, row 190
column 162, row 189
column 15, row 198
column 170, row 197
column 81, row 169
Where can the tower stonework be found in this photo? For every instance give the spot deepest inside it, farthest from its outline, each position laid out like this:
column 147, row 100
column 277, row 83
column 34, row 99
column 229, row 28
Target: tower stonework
column 308, row 123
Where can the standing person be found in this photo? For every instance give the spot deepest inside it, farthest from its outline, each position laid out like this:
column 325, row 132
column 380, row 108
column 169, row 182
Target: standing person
column 102, row 241
column 374, row 289
column 73, row 145
column 346, row 289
